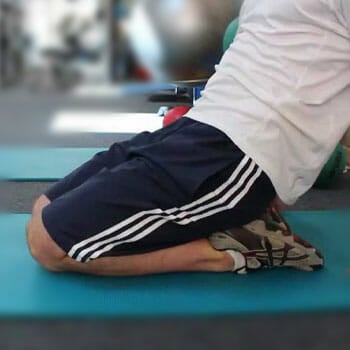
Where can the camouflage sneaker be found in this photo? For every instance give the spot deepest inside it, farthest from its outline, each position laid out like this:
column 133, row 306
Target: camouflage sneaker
column 268, row 243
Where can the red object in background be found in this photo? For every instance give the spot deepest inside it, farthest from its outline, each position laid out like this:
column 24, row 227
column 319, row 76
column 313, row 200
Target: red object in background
column 174, row 114
column 142, row 74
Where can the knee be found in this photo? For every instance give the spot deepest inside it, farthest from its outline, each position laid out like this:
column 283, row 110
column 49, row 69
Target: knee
column 39, row 204
column 42, row 248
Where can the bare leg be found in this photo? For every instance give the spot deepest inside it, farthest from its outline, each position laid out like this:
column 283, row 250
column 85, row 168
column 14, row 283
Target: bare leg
column 194, row 256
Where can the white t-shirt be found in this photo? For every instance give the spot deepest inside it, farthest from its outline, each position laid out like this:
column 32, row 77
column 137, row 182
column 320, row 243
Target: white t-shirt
column 282, row 90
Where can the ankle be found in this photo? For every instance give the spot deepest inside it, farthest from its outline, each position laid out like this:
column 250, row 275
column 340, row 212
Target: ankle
column 220, row 262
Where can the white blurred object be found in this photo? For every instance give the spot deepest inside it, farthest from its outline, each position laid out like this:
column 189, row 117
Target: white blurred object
column 163, row 111
column 102, row 122
column 147, row 47
column 49, row 23
column 43, row 17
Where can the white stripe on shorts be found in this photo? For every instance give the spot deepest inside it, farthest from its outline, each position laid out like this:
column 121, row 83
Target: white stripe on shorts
column 204, row 207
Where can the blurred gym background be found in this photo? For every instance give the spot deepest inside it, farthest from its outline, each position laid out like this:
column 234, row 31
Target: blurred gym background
column 60, row 44
column 62, row 54
column 67, row 68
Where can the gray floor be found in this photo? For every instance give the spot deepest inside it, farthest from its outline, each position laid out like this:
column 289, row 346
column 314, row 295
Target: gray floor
column 24, row 118
column 296, row 332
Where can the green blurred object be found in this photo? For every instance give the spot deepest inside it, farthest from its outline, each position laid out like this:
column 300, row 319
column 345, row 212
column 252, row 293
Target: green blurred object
column 230, row 34
column 333, row 169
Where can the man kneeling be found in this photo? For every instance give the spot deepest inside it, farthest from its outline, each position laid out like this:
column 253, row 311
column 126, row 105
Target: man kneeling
column 194, row 196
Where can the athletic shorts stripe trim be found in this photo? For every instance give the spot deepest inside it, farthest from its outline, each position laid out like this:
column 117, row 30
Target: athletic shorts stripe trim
column 162, row 222
column 137, row 216
column 153, row 219
column 182, row 218
column 161, row 217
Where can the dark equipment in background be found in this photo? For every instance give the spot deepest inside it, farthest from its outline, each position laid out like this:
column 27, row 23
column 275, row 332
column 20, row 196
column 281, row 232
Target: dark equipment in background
column 10, row 43
column 174, row 41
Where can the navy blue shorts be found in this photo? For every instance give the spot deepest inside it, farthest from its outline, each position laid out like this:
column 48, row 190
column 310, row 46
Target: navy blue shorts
column 158, row 190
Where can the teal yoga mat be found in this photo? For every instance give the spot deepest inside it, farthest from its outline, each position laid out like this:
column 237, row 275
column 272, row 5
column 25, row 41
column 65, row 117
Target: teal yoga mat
column 42, row 164
column 28, row 290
